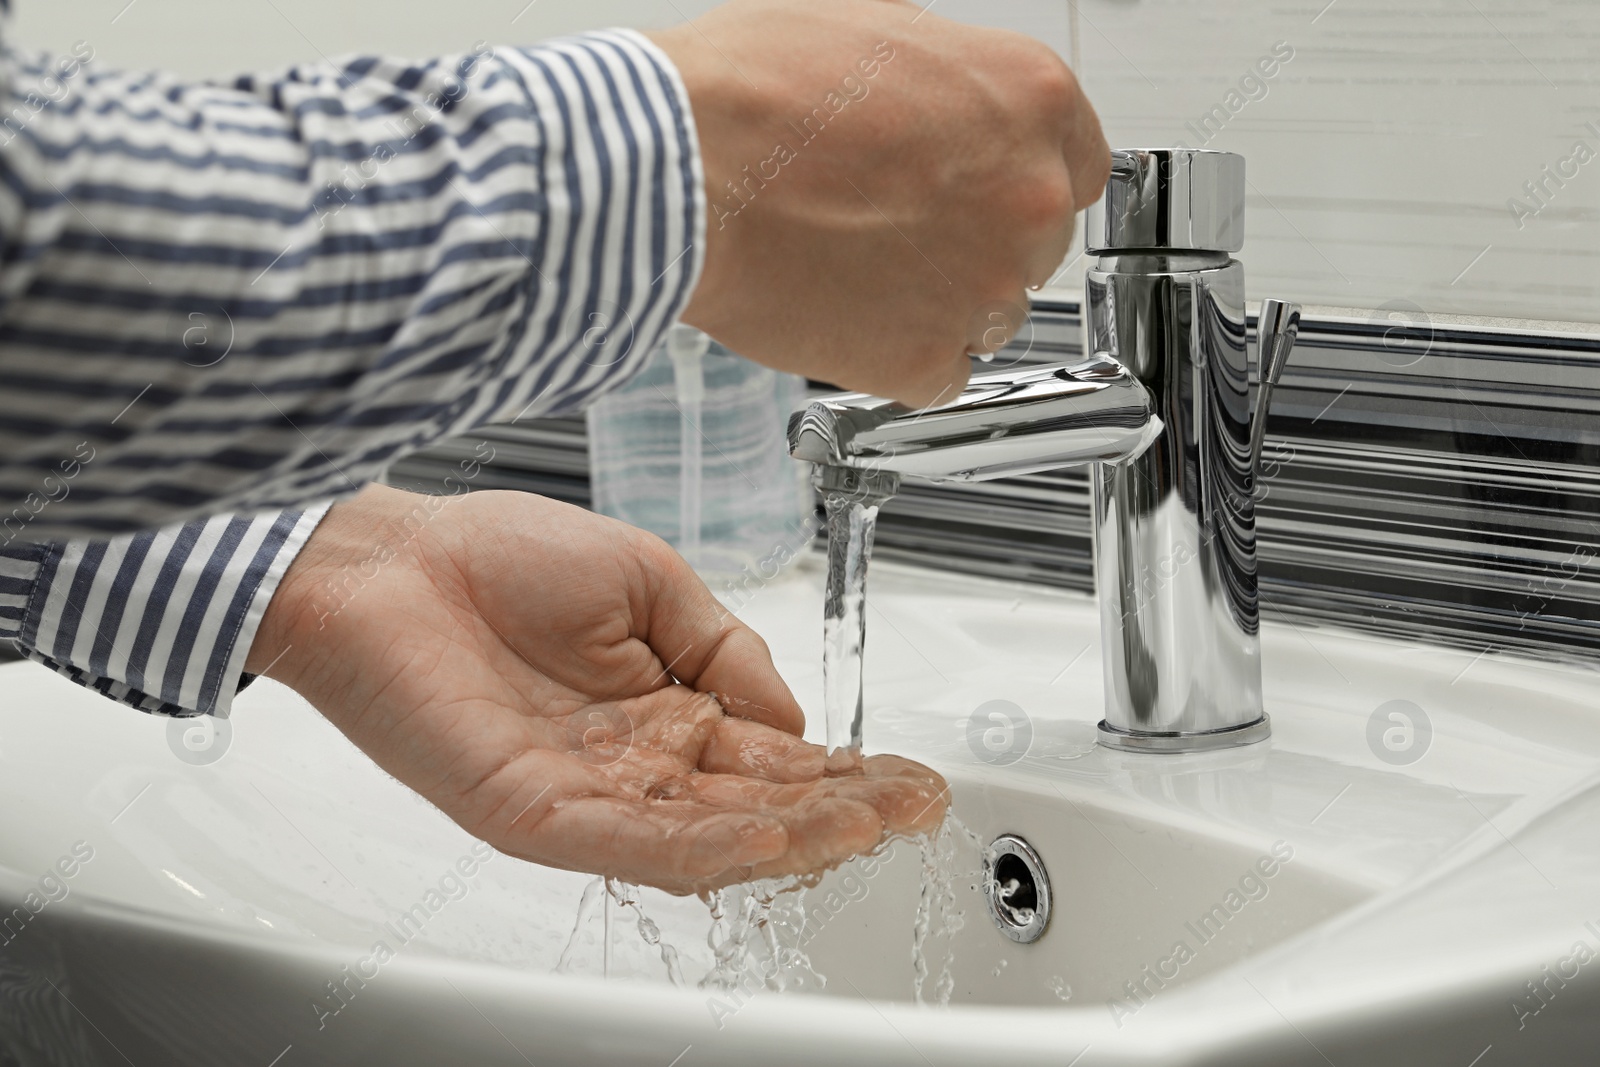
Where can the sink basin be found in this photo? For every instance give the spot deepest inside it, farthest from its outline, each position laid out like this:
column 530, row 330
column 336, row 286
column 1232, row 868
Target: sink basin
column 1127, row 891
column 1336, row 901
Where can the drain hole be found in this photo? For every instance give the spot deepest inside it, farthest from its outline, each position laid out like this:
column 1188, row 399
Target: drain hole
column 1014, row 883
column 1017, row 889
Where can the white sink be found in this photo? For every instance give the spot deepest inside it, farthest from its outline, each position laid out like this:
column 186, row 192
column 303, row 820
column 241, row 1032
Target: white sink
column 1406, row 908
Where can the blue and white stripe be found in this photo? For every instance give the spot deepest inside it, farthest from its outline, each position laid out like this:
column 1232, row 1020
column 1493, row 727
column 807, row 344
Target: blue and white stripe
column 513, row 248
column 162, row 621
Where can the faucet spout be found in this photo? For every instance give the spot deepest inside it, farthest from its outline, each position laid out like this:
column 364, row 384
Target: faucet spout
column 1005, row 423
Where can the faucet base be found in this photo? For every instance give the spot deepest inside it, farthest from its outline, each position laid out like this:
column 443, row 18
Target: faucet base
column 1231, row 737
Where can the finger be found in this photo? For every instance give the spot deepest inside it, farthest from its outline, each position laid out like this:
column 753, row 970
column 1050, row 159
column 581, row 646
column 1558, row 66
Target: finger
column 756, row 750
column 1052, row 253
column 995, row 324
column 679, row 846
column 826, row 827
column 1087, row 154
column 693, row 728
column 823, row 833
column 888, row 766
column 700, row 830
column 908, row 799
column 756, row 767
column 703, row 644
column 1071, row 118
column 1052, row 260
column 938, row 379
column 674, row 720
column 683, row 846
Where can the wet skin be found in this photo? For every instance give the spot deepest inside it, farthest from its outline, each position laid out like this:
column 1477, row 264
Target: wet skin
column 564, row 687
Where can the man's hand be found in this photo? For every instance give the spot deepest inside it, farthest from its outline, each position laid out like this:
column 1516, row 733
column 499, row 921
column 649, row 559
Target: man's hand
column 546, row 677
column 883, row 185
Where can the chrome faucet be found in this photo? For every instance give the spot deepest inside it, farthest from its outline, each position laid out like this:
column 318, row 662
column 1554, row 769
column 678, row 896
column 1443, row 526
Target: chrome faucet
column 1167, row 409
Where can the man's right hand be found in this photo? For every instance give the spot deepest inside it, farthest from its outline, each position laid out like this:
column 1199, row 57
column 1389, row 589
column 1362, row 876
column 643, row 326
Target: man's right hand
column 882, row 183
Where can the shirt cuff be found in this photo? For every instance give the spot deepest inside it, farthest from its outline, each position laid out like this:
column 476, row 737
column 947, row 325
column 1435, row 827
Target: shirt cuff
column 640, row 172
column 160, row 621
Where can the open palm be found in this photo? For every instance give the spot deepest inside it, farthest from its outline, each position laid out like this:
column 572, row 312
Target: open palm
column 564, row 687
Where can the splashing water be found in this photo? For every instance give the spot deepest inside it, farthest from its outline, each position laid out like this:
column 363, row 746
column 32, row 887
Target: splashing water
column 784, row 935
column 1008, row 889
column 616, row 897
column 757, row 930
column 627, row 896
column 727, row 940
column 592, row 895
column 937, row 911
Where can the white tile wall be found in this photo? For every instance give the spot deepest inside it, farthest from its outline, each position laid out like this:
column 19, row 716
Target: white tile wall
column 1382, row 155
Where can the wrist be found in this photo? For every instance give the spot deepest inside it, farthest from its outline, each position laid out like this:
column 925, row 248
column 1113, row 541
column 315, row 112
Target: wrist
column 316, row 584
column 729, row 114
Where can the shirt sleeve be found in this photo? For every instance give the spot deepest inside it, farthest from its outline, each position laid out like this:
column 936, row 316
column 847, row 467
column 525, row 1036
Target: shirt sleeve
column 161, row 621
column 240, row 298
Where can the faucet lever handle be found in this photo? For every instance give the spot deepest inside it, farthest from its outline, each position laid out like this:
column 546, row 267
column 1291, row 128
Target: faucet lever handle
column 1277, row 327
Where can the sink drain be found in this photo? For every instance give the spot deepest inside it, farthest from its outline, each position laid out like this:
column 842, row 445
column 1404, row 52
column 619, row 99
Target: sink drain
column 1017, row 889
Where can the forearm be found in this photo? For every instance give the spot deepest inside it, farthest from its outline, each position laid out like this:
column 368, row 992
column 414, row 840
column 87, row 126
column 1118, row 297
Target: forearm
column 246, row 297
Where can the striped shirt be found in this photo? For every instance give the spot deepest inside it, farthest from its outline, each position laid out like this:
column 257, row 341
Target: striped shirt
column 220, row 301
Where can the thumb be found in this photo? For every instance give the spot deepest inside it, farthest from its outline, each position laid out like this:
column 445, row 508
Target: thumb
column 702, row 644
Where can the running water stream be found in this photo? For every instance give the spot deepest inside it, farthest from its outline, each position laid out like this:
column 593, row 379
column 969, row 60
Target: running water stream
column 851, row 499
